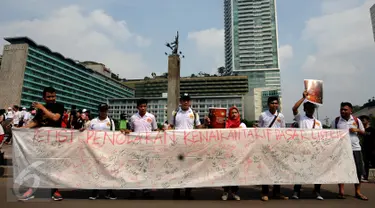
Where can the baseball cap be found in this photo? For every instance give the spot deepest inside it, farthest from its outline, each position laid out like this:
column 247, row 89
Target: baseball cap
column 103, row 106
column 23, row 108
column 185, row 96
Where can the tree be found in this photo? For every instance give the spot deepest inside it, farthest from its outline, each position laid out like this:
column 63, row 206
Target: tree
column 193, row 75
column 165, row 75
column 356, row 108
column 147, row 78
column 221, row 71
column 153, row 74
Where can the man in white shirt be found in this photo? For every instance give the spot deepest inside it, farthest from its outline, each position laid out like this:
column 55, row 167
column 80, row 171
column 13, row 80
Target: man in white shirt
column 10, row 113
column 142, row 121
column 307, row 121
column 16, row 116
column 184, row 118
column 355, row 128
column 102, row 123
column 272, row 119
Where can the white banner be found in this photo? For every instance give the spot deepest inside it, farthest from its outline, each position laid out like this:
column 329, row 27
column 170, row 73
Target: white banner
column 62, row 158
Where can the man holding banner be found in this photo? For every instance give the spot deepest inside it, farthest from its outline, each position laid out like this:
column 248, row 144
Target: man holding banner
column 142, row 121
column 308, row 121
column 102, row 123
column 272, row 119
column 184, row 118
column 355, row 127
column 48, row 115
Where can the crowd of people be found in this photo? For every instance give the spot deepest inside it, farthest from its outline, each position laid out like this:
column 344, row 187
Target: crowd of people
column 53, row 114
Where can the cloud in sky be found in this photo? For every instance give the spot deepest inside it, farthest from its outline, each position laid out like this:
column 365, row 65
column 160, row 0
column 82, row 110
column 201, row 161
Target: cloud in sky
column 344, row 56
column 93, row 35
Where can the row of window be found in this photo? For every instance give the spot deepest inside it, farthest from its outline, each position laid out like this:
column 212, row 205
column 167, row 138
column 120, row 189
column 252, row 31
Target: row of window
column 47, row 60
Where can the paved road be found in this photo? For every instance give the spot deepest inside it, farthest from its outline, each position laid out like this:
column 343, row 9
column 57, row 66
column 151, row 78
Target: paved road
column 206, row 198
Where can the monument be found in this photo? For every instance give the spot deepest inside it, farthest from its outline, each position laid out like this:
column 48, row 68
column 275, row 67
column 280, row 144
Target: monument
column 173, row 78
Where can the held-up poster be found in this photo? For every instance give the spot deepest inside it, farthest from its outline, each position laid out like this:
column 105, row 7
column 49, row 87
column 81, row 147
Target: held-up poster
column 315, row 90
column 64, row 158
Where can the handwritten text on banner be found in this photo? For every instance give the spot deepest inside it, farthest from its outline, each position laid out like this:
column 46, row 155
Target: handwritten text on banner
column 61, row 158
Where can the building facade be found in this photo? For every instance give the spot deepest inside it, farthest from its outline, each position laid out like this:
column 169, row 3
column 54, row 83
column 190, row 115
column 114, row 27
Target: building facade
column 257, row 102
column 195, row 86
column 372, row 14
column 158, row 106
column 251, row 42
column 28, row 67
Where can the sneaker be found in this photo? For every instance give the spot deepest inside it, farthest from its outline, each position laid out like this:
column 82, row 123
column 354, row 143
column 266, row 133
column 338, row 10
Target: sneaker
column 295, row 196
column 236, row 197
column 264, row 198
column 27, row 195
column 110, row 195
column 318, row 197
column 364, row 181
column 224, row 197
column 57, row 196
column 94, row 195
column 280, row 196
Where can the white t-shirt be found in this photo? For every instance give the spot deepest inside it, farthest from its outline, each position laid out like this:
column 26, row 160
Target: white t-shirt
column 147, row 123
column 1, row 130
column 10, row 114
column 266, row 118
column 104, row 125
column 185, row 119
column 16, row 117
column 305, row 122
column 344, row 124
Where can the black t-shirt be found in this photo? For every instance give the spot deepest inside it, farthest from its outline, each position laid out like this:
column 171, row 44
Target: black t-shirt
column 79, row 123
column 45, row 122
column 369, row 140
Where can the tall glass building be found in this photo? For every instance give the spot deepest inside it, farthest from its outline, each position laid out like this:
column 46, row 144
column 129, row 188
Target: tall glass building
column 251, row 42
column 28, row 67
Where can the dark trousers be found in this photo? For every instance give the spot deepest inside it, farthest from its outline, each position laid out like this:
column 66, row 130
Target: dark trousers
column 187, row 191
column 297, row 188
column 233, row 189
column 367, row 159
column 276, row 189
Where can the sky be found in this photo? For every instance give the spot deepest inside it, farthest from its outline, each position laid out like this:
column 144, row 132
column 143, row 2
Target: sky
column 329, row 40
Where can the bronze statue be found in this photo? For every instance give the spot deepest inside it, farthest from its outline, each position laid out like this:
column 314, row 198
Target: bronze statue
column 174, row 45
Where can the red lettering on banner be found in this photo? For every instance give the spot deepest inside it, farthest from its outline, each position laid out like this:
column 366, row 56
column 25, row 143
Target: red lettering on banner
column 218, row 135
column 171, row 138
column 108, row 135
column 97, row 138
column 293, row 135
column 257, row 136
column 279, row 134
column 147, row 137
column 314, row 134
column 268, row 132
column 249, row 133
column 223, row 135
column 213, row 135
column 159, row 137
column 204, row 136
column 58, row 136
column 186, row 134
column 323, row 135
column 343, row 134
column 302, row 135
column 334, row 135
column 232, row 135
column 190, row 137
column 90, row 135
column 118, row 138
column 36, row 134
